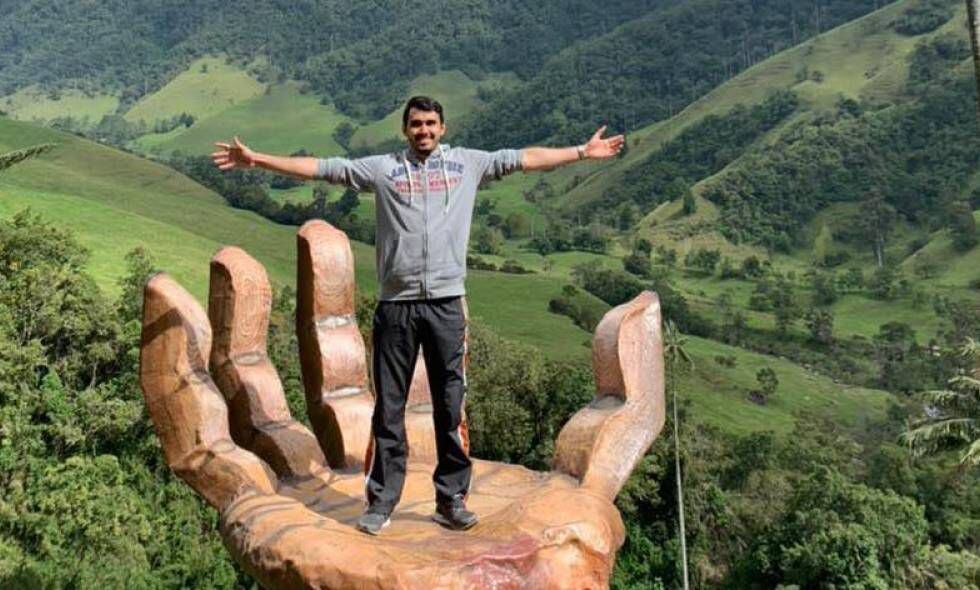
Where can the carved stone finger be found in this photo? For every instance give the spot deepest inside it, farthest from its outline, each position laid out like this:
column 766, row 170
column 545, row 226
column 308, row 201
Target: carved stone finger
column 331, row 349
column 602, row 443
column 239, row 305
column 188, row 411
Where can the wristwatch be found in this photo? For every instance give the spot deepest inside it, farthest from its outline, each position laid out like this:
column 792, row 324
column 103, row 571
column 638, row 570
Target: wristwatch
column 581, row 152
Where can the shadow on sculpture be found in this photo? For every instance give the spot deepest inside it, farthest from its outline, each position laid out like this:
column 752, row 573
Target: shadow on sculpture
column 288, row 497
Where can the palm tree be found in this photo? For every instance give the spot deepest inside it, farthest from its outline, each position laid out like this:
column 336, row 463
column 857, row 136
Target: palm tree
column 678, row 359
column 952, row 416
column 10, row 158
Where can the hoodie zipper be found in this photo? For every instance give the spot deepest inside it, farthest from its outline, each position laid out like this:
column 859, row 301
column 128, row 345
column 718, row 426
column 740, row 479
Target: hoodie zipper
column 425, row 227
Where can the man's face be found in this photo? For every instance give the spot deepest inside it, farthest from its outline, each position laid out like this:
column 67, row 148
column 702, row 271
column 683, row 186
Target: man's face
column 424, row 130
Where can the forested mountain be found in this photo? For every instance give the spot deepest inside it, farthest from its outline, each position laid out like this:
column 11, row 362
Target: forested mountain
column 894, row 121
column 916, row 159
column 628, row 62
column 651, row 67
column 359, row 55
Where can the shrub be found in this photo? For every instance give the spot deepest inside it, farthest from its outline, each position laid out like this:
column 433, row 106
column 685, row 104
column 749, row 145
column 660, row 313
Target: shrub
column 729, row 361
column 477, row 263
column 923, row 17
column 513, row 267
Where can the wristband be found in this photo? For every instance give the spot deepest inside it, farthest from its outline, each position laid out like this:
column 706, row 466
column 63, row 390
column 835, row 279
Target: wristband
column 581, row 152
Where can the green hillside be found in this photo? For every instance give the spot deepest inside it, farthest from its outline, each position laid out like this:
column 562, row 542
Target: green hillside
column 866, row 60
column 719, row 394
column 117, row 201
column 280, row 120
column 28, row 104
column 862, row 59
column 207, row 87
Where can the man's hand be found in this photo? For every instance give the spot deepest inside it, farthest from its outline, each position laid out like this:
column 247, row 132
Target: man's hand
column 599, row 148
column 238, row 155
column 233, row 155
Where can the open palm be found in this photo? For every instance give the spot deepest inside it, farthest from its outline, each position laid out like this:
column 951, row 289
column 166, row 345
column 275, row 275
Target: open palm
column 233, row 155
column 288, row 497
column 600, row 148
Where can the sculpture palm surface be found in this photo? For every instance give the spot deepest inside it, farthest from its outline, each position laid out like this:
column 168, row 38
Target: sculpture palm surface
column 288, row 497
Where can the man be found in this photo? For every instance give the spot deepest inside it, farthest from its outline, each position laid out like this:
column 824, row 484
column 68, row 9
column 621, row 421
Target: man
column 424, row 202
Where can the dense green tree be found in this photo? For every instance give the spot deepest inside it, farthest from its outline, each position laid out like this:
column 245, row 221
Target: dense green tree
column 343, row 133
column 901, row 361
column 734, row 324
column 963, row 226
column 752, row 267
column 839, row 534
column 637, row 263
column 820, row 323
column 643, row 246
column 704, row 260
column 594, row 238
column 87, row 500
column 666, row 256
column 884, row 283
column 785, row 306
column 517, row 225
column 584, row 310
column 517, row 402
column 768, row 383
column 690, row 205
column 626, row 215
column 488, row 240
column 853, row 278
column 612, row 286
column 923, row 17
column 824, row 288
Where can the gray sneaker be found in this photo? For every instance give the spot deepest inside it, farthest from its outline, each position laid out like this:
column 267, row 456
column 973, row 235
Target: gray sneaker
column 372, row 521
column 454, row 515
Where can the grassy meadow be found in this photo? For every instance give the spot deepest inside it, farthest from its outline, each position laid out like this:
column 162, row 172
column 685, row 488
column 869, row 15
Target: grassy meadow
column 31, row 103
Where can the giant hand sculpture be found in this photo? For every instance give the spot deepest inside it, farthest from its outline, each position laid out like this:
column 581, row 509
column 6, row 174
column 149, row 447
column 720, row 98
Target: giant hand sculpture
column 288, row 497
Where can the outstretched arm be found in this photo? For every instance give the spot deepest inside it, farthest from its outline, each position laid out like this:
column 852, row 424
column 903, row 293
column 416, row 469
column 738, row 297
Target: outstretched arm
column 597, row 148
column 238, row 155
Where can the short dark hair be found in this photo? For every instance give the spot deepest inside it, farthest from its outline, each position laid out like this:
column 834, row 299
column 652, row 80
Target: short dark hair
column 422, row 103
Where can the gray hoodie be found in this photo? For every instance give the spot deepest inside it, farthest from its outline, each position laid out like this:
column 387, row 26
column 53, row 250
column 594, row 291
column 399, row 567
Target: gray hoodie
column 423, row 218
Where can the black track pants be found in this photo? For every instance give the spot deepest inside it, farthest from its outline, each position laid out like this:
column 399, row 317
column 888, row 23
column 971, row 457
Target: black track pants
column 439, row 325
